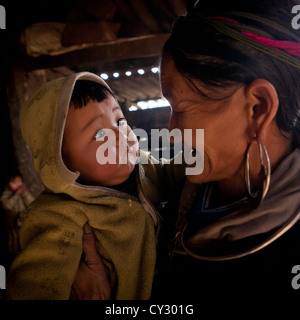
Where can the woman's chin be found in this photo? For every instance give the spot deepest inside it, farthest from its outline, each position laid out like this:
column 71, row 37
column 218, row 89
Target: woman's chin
column 196, row 179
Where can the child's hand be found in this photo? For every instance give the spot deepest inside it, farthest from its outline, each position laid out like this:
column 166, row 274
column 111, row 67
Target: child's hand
column 91, row 282
column 16, row 185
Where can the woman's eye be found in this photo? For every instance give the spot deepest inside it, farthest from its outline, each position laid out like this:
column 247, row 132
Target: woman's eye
column 121, row 122
column 99, row 135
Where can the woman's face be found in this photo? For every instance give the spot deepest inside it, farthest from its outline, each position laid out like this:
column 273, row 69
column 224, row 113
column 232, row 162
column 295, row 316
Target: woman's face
column 226, row 124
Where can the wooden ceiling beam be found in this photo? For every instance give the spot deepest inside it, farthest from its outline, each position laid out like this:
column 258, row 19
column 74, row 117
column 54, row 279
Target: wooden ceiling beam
column 94, row 56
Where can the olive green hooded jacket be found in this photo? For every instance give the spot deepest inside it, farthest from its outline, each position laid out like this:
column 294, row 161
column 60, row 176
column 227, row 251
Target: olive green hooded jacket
column 51, row 236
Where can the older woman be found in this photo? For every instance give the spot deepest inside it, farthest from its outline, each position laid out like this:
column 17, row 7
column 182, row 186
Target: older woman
column 230, row 69
column 233, row 69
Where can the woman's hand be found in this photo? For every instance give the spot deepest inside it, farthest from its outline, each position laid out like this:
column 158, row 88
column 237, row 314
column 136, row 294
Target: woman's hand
column 91, row 281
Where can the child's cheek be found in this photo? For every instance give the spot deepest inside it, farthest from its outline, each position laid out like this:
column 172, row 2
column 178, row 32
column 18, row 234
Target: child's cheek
column 106, row 155
column 107, row 172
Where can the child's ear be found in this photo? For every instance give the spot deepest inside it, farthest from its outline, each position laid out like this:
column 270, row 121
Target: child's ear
column 264, row 104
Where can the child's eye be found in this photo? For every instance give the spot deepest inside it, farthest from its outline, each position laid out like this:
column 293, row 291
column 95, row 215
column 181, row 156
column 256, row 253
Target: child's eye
column 99, row 135
column 121, row 122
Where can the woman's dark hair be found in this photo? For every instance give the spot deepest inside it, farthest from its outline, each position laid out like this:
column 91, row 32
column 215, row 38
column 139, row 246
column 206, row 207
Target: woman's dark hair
column 86, row 90
column 202, row 52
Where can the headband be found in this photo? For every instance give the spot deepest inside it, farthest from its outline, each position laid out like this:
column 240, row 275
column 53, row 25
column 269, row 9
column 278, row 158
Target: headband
column 286, row 51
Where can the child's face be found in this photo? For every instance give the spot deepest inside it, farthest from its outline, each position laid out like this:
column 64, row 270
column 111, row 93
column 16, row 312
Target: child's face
column 89, row 123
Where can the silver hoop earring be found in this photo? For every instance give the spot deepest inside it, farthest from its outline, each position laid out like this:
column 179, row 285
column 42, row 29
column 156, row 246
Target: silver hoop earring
column 195, row 5
column 265, row 174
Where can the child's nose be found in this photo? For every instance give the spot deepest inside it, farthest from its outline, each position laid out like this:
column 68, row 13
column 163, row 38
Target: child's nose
column 121, row 136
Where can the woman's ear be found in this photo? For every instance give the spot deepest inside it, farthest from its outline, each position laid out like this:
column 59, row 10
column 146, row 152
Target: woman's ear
column 263, row 100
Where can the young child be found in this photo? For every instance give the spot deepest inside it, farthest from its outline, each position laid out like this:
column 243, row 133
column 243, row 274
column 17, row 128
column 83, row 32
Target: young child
column 65, row 124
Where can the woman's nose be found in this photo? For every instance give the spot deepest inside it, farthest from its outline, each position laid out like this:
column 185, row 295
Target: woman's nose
column 173, row 123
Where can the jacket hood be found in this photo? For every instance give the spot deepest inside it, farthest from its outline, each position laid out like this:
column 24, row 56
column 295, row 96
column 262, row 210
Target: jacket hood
column 42, row 121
